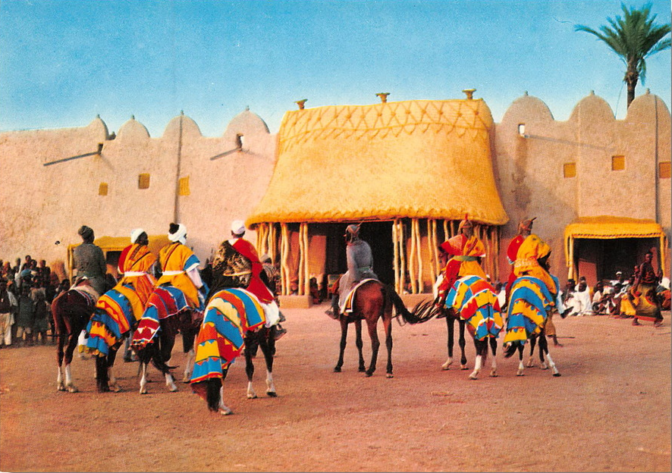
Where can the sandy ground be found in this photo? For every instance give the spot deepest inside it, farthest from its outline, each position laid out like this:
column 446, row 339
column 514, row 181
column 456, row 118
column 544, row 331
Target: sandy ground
column 609, row 411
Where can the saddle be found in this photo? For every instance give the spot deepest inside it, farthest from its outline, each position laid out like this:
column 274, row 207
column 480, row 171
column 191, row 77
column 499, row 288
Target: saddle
column 347, row 306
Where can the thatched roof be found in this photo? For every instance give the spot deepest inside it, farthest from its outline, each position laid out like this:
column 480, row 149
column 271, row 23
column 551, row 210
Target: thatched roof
column 416, row 159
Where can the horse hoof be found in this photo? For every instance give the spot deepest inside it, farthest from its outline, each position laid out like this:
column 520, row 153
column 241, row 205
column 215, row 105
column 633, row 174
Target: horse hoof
column 72, row 389
column 446, row 366
column 226, row 412
column 143, row 391
column 520, row 373
column 272, row 394
column 493, row 374
column 60, row 387
column 368, row 375
column 361, row 369
column 556, row 374
column 389, row 375
column 251, row 396
column 337, row 369
column 474, row 377
column 464, row 367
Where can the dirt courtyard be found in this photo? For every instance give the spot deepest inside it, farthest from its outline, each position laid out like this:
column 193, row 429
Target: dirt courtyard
column 609, row 411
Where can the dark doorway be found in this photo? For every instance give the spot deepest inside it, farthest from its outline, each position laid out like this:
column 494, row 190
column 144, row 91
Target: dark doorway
column 601, row 259
column 377, row 234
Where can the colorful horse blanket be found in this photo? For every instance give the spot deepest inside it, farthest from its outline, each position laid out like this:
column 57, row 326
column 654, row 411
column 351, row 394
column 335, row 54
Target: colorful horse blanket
column 166, row 301
column 529, row 303
column 475, row 300
column 112, row 319
column 229, row 315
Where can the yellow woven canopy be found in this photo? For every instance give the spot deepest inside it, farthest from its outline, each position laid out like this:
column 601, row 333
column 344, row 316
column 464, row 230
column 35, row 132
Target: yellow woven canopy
column 414, row 159
column 607, row 227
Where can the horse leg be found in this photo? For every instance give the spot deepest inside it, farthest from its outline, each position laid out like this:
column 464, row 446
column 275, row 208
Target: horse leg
column 162, row 355
column 493, row 347
column 188, row 338
column 144, row 357
column 387, row 325
column 70, row 349
column 267, row 345
column 521, row 365
column 102, row 374
column 480, row 345
column 344, row 339
column 223, row 409
column 375, row 345
column 250, row 340
column 359, row 343
column 463, row 344
column 530, row 360
column 60, row 385
column 450, row 324
column 111, row 357
column 543, row 347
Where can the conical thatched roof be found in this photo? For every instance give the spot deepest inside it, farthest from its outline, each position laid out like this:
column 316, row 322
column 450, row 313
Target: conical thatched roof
column 416, row 159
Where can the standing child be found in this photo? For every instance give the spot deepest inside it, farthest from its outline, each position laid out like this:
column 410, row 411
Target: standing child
column 25, row 317
column 41, row 323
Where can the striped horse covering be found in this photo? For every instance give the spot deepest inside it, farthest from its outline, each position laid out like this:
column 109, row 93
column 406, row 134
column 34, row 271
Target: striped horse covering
column 476, row 302
column 229, row 315
column 529, row 302
column 112, row 319
column 166, row 301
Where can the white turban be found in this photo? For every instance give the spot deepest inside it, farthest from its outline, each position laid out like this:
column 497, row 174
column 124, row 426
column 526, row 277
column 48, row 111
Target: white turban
column 180, row 235
column 237, row 227
column 135, row 234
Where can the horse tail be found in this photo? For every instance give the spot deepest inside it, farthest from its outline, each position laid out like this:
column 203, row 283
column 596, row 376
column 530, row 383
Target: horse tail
column 421, row 313
column 213, row 393
column 510, row 349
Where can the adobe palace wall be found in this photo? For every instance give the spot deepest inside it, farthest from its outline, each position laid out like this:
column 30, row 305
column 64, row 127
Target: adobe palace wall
column 589, row 165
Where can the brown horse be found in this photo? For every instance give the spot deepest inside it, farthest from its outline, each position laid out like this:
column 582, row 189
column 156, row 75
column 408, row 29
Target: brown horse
column 71, row 311
column 371, row 301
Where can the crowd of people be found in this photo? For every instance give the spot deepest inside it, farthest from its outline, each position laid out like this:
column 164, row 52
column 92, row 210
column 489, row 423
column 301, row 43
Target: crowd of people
column 27, row 290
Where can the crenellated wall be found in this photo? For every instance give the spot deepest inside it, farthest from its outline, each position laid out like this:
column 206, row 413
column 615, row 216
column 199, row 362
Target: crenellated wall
column 531, row 168
column 40, row 205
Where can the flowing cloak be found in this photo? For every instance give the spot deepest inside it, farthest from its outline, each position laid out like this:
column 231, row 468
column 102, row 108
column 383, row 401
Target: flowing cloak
column 531, row 250
column 360, row 266
column 176, row 260
column 229, row 315
column 464, row 262
column 118, row 310
column 476, row 302
column 256, row 285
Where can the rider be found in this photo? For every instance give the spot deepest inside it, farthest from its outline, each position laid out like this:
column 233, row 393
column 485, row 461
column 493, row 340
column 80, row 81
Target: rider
column 248, row 273
column 360, row 266
column 179, row 267
column 529, row 256
column 465, row 250
column 89, row 261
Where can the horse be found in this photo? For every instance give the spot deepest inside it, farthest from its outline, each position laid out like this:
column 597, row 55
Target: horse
column 372, row 300
column 474, row 302
column 166, row 315
column 451, row 317
column 112, row 322
column 71, row 311
column 528, row 307
column 233, row 319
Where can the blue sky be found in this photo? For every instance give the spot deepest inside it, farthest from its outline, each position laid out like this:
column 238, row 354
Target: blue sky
column 62, row 62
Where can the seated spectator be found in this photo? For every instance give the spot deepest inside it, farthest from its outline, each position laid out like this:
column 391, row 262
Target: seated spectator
column 603, row 302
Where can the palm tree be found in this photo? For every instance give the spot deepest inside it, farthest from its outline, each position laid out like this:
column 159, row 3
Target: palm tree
column 633, row 38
